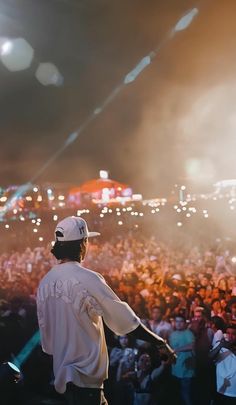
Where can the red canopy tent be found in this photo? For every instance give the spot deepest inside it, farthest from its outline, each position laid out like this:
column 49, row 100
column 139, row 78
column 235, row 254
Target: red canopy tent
column 96, row 185
column 94, row 189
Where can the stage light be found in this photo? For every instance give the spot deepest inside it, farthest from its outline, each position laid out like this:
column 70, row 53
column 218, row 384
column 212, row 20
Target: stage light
column 11, row 391
column 9, row 374
column 103, row 174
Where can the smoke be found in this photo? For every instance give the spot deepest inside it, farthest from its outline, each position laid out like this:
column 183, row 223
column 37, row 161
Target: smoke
column 176, row 123
column 187, row 129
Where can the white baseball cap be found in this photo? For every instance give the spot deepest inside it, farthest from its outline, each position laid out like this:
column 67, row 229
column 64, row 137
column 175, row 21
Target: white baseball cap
column 177, row 277
column 73, row 228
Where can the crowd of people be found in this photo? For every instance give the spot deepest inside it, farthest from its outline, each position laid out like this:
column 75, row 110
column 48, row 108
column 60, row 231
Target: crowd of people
column 187, row 295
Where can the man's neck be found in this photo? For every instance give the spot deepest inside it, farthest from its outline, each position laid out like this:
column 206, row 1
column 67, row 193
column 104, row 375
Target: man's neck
column 68, row 260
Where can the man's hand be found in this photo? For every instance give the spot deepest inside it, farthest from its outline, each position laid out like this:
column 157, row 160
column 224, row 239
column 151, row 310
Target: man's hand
column 143, row 333
column 167, row 354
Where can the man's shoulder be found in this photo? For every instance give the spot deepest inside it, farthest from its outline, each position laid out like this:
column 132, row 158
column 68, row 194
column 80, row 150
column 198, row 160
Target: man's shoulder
column 69, row 276
column 93, row 275
column 50, row 274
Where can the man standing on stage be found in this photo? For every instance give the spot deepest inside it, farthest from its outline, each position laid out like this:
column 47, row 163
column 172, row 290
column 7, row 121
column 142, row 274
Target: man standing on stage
column 72, row 301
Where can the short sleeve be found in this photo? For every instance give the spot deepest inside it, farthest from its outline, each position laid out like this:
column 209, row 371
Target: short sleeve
column 217, row 337
column 117, row 315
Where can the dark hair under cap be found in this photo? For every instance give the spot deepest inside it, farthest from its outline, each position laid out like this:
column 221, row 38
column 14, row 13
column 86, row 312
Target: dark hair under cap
column 68, row 250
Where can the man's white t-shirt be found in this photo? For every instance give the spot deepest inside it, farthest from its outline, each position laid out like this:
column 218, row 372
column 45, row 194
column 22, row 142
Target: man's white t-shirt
column 71, row 302
column 226, row 372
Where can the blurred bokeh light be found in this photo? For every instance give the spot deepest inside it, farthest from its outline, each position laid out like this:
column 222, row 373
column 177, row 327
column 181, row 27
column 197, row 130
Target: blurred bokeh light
column 48, row 74
column 16, row 54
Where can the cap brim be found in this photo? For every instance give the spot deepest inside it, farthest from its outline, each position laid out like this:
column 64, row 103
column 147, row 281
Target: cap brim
column 90, row 234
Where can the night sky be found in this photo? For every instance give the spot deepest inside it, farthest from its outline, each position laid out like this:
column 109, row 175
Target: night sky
column 175, row 124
